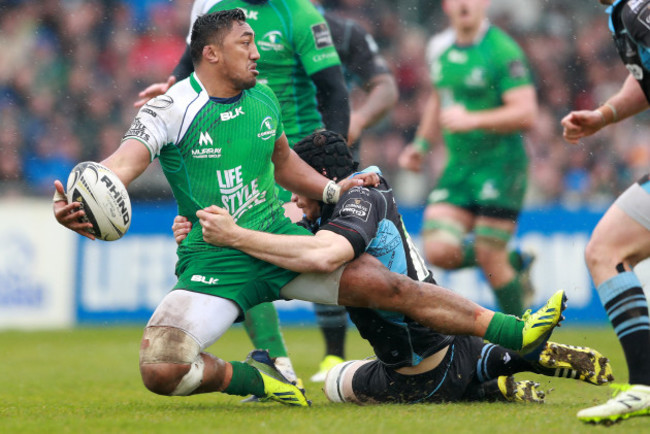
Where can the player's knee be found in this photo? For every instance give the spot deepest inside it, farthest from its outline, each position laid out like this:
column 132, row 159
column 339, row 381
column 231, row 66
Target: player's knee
column 170, row 361
column 596, row 255
column 442, row 242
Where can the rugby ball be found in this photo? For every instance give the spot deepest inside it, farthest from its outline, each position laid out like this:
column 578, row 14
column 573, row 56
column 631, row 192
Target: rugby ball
column 103, row 198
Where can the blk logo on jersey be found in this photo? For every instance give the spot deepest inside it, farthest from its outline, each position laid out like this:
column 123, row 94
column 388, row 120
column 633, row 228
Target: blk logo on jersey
column 232, row 114
column 456, row 56
column 206, row 149
column 271, row 41
column 250, row 15
column 204, row 279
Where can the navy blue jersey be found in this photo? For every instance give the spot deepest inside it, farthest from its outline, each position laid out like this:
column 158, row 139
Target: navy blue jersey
column 630, row 24
column 369, row 219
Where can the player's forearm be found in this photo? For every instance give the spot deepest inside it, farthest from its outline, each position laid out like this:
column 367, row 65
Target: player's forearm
column 519, row 112
column 297, row 176
column 128, row 161
column 628, row 101
column 303, row 254
column 381, row 98
column 333, row 99
column 429, row 127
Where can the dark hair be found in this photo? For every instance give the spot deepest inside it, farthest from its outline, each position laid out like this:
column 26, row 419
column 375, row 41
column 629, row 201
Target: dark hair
column 328, row 153
column 212, row 28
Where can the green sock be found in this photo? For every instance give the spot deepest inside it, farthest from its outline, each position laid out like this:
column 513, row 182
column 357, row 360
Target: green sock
column 469, row 255
column 246, row 380
column 505, row 330
column 514, row 257
column 263, row 329
column 509, row 297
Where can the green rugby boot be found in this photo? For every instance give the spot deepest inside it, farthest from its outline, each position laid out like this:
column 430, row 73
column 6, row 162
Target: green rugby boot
column 538, row 326
column 276, row 386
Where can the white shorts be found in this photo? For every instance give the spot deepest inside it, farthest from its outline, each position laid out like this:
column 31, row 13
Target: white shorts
column 635, row 202
column 204, row 317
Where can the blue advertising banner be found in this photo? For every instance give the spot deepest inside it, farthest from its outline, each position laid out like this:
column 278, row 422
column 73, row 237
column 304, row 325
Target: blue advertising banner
column 123, row 281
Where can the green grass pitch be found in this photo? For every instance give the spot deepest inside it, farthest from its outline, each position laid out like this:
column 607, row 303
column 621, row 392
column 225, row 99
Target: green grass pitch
column 86, row 380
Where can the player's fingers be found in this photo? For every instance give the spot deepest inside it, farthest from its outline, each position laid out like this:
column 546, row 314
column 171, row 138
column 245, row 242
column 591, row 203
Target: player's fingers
column 139, row 103
column 571, row 137
column 180, row 219
column 214, row 209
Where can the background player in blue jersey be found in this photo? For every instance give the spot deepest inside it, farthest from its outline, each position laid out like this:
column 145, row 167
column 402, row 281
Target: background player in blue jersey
column 621, row 239
column 414, row 363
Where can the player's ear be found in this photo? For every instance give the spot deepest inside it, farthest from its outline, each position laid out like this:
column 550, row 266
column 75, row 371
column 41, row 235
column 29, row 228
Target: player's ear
column 211, row 53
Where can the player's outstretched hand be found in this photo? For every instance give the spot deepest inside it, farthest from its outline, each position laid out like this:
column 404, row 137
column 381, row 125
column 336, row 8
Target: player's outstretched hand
column 153, row 91
column 411, row 159
column 218, row 226
column 181, row 227
column 582, row 123
column 69, row 214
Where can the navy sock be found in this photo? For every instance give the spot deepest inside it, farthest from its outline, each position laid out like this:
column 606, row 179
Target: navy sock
column 627, row 310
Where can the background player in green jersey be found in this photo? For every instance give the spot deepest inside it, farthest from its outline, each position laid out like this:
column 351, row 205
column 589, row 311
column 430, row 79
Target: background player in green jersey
column 300, row 64
column 482, row 100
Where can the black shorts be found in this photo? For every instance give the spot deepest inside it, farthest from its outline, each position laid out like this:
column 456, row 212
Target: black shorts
column 449, row 382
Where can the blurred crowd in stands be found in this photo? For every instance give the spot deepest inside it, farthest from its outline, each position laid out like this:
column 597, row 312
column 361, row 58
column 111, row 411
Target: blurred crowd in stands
column 70, row 71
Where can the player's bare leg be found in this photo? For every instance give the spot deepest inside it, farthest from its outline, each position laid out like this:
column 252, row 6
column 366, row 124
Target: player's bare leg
column 367, row 283
column 173, row 361
column 491, row 248
column 444, row 229
column 618, row 243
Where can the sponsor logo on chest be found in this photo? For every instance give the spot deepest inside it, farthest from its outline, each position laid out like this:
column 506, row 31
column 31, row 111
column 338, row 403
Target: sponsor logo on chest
column 206, row 148
column 238, row 196
column 476, row 78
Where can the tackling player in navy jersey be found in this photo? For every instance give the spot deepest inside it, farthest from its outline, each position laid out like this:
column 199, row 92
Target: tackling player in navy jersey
column 414, row 363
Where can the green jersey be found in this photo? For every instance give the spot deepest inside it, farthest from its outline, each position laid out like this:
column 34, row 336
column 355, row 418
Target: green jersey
column 215, row 151
column 218, row 151
column 476, row 76
column 294, row 42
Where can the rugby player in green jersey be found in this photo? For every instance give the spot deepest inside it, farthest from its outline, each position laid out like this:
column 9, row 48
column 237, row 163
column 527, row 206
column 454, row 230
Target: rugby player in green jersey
column 483, row 99
column 221, row 108
column 301, row 66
